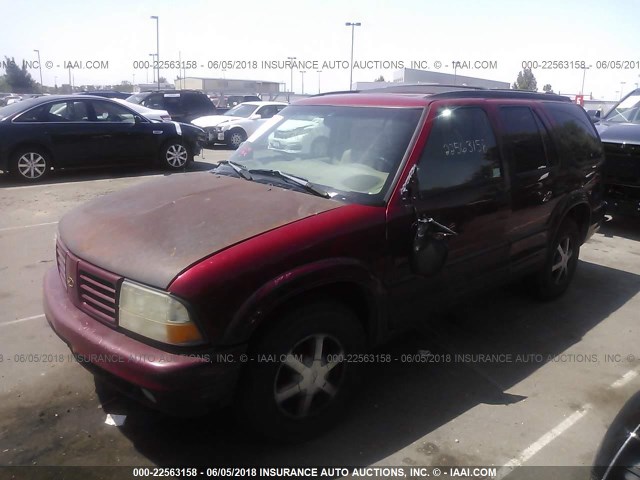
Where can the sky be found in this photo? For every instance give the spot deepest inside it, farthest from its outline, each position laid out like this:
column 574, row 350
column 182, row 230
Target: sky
column 247, row 33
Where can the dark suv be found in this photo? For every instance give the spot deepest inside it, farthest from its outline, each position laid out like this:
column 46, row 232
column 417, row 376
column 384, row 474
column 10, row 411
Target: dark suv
column 620, row 132
column 182, row 105
column 264, row 282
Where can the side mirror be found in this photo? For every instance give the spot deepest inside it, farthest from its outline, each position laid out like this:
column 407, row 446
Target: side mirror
column 138, row 119
column 255, row 116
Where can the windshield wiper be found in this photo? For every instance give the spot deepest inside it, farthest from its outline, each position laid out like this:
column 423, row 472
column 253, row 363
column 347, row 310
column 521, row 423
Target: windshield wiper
column 299, row 181
column 241, row 170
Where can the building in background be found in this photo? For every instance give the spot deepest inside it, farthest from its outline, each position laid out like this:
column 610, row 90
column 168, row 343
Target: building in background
column 412, row 76
column 229, row 86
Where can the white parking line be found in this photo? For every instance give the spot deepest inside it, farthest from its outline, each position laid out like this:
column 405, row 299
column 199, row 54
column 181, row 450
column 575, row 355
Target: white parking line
column 20, row 320
column 6, row 229
column 542, row 442
column 626, row 378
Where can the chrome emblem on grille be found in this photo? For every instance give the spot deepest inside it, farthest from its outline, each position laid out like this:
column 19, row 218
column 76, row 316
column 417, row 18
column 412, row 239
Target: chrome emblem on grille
column 70, row 282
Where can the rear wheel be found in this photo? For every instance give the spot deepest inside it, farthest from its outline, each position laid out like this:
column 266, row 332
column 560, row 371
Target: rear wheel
column 30, row 164
column 562, row 260
column 298, row 382
column 174, row 155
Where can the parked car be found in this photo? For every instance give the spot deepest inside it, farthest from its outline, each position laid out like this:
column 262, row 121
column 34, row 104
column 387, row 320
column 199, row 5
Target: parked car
column 618, row 456
column 236, row 125
column 76, row 131
column 107, row 94
column 620, row 133
column 148, row 113
column 308, row 136
column 263, row 283
column 182, row 105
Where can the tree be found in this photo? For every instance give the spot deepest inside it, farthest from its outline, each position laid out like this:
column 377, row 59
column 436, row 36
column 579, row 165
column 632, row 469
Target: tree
column 526, row 81
column 163, row 80
column 18, row 79
column 379, row 79
column 125, row 86
column 547, row 88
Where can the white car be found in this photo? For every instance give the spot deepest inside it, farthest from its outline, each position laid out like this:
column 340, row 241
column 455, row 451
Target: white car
column 308, row 137
column 239, row 123
column 149, row 113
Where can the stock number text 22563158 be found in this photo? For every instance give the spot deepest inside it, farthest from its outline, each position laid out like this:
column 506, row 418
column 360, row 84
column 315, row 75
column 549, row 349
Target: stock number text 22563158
column 464, row 146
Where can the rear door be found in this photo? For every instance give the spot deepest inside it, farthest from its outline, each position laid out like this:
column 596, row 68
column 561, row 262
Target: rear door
column 74, row 138
column 534, row 193
column 196, row 105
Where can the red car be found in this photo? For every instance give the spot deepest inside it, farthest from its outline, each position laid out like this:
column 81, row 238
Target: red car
column 265, row 282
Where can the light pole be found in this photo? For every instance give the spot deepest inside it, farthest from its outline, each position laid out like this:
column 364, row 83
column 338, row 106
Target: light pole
column 352, row 25
column 291, row 59
column 455, row 73
column 621, row 84
column 55, row 81
column 157, row 19
column 134, row 82
column 40, row 66
column 302, row 72
column 319, row 72
column 153, row 68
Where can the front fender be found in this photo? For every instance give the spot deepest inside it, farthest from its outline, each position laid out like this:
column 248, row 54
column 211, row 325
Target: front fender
column 306, row 279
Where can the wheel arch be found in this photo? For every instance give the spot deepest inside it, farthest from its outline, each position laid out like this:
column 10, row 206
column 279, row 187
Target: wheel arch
column 23, row 145
column 346, row 284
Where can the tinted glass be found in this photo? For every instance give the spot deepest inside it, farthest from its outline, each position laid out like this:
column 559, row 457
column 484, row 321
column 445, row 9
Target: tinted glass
column 110, row 112
column 154, row 100
column 33, row 115
column 522, row 139
column 267, row 111
column 172, row 105
column 196, row 101
column 461, row 150
column 573, row 133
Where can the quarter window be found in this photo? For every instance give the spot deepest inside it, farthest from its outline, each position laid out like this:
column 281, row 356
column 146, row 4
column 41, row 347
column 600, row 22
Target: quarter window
column 461, row 150
column 573, row 133
column 523, row 139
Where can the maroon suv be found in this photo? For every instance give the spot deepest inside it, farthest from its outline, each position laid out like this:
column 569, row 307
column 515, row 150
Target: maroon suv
column 261, row 282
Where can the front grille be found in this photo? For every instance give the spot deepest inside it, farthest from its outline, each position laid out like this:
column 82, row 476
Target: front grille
column 98, row 295
column 622, row 165
column 61, row 260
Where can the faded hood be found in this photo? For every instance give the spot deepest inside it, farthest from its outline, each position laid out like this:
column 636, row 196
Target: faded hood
column 152, row 232
column 619, row 132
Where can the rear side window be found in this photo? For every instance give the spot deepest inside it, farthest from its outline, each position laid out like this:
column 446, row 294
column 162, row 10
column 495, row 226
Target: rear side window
column 196, row 101
column 461, row 150
column 573, row 133
column 523, row 139
column 33, row 115
column 154, row 101
column 173, row 104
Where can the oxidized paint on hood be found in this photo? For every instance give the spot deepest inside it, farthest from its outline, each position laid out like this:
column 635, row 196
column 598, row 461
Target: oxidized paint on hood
column 152, row 232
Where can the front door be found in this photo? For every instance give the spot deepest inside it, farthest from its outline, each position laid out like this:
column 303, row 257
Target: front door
column 459, row 184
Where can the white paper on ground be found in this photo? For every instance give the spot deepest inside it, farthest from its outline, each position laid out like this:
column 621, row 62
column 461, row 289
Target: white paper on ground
column 115, row 420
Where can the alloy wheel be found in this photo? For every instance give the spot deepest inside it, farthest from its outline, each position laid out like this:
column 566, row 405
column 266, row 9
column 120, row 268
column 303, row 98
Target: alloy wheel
column 310, row 376
column 561, row 260
column 32, row 165
column 177, row 156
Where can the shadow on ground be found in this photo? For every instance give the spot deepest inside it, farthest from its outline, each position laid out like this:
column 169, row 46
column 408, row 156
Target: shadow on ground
column 402, row 402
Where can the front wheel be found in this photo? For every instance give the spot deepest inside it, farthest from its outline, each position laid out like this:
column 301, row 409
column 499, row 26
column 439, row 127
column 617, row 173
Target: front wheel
column 235, row 138
column 174, row 155
column 299, row 377
column 562, row 260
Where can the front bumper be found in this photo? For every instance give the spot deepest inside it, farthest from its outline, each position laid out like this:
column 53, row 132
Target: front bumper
column 170, row 382
column 623, row 200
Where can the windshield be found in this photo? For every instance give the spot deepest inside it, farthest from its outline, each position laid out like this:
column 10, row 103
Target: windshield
column 242, row 110
column 627, row 111
column 137, row 98
column 352, row 153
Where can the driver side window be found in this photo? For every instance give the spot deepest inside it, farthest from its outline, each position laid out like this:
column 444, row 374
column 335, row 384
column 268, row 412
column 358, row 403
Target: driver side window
column 109, row 112
column 461, row 150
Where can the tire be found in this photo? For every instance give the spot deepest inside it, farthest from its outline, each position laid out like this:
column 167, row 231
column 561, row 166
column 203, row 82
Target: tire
column 299, row 398
column 235, row 138
column 562, row 259
column 175, row 155
column 30, row 164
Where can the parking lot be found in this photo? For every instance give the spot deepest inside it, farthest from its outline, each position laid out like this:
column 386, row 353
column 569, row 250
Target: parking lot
column 507, row 380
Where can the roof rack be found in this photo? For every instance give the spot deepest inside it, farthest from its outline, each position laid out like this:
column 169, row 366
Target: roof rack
column 453, row 91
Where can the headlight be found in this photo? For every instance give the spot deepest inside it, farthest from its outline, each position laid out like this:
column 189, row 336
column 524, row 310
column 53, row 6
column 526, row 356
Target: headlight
column 156, row 315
